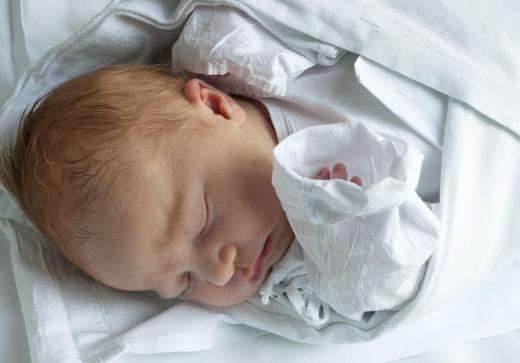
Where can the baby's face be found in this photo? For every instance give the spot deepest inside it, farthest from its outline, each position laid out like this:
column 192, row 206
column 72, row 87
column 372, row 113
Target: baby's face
column 202, row 220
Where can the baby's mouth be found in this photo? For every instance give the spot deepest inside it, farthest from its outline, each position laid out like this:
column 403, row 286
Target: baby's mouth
column 258, row 266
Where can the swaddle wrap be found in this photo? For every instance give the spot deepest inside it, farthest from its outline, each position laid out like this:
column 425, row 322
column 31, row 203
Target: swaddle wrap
column 365, row 248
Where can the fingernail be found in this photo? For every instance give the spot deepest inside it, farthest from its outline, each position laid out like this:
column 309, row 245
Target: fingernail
column 337, row 167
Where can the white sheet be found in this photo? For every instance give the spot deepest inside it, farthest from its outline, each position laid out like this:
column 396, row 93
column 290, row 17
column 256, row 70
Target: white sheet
column 471, row 317
column 13, row 340
column 30, row 28
column 444, row 44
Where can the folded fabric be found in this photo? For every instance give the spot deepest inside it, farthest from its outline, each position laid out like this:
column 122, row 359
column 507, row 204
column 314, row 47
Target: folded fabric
column 365, row 248
column 225, row 41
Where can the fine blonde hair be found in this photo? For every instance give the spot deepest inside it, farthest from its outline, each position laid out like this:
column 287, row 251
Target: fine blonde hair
column 70, row 139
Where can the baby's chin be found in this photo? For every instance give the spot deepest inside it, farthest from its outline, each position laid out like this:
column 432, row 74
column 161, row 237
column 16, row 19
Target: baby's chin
column 236, row 291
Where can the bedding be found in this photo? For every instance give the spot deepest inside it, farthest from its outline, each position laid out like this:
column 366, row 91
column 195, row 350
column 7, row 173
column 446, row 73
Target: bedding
column 30, row 28
column 470, row 138
column 225, row 42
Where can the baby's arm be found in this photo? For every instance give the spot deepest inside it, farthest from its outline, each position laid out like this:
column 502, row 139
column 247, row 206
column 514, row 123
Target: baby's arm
column 339, row 171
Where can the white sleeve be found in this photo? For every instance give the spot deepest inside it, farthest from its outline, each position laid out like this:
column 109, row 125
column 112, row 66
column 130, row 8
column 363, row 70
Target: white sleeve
column 366, row 248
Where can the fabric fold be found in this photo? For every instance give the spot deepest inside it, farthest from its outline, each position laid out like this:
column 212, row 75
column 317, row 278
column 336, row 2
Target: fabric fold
column 365, row 248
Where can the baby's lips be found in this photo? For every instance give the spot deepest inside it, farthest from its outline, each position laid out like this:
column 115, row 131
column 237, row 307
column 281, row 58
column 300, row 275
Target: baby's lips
column 250, row 271
column 258, row 266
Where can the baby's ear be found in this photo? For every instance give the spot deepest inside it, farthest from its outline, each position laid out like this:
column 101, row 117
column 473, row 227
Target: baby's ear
column 198, row 92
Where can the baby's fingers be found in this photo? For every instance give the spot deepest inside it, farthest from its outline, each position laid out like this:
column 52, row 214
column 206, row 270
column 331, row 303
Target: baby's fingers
column 323, row 174
column 357, row 180
column 339, row 171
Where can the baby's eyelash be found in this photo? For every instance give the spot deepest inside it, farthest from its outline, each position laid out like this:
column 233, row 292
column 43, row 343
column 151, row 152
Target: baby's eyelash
column 205, row 225
column 187, row 278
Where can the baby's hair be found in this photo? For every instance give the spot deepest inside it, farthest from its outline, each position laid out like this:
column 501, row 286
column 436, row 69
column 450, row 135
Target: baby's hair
column 71, row 139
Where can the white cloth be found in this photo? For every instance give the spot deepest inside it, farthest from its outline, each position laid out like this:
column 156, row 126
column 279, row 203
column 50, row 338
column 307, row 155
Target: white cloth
column 225, row 41
column 366, row 247
column 325, row 95
column 446, row 44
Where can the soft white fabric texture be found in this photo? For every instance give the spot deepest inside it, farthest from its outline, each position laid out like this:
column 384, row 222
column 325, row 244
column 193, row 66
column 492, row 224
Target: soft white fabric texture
column 225, row 41
column 366, row 247
column 30, row 28
column 341, row 97
column 68, row 320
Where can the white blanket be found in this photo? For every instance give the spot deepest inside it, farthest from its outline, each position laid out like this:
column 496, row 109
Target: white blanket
column 478, row 230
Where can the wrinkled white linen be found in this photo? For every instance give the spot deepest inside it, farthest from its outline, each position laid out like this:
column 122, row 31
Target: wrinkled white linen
column 473, row 234
column 225, row 41
column 365, row 248
column 30, row 28
column 343, row 98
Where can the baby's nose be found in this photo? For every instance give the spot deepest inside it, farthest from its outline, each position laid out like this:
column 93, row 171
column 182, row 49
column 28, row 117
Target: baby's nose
column 223, row 266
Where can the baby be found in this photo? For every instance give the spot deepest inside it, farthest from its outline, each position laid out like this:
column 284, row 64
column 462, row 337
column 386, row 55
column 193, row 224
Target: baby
column 148, row 181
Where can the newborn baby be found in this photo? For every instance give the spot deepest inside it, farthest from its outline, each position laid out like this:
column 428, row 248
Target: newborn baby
column 148, row 181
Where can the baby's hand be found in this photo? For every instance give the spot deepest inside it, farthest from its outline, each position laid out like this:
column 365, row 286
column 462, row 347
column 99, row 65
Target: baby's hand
column 339, row 171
